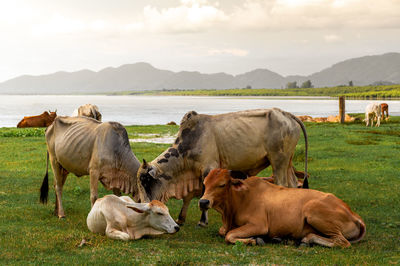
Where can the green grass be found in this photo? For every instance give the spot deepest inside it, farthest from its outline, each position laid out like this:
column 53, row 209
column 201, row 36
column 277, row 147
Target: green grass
column 358, row 164
column 387, row 91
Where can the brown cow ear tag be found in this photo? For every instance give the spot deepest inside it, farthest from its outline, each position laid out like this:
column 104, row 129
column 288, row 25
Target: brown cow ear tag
column 238, row 184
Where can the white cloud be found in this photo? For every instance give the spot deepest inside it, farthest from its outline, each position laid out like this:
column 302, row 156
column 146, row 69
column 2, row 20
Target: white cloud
column 232, row 51
column 316, row 14
column 189, row 16
column 332, row 38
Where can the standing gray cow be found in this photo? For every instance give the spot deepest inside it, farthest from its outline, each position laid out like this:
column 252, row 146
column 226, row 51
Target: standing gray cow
column 84, row 146
column 246, row 141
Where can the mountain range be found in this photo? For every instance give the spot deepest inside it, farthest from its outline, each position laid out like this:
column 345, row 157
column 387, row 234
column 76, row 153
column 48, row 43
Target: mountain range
column 361, row 71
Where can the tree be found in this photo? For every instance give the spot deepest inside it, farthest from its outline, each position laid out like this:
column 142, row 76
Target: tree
column 351, row 83
column 307, row 84
column 291, row 85
column 248, row 87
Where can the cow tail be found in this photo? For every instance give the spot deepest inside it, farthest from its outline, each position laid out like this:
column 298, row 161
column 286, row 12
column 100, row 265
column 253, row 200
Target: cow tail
column 44, row 189
column 362, row 232
column 303, row 128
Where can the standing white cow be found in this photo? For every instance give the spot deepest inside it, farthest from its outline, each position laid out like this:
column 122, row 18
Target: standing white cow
column 122, row 218
column 89, row 110
column 372, row 111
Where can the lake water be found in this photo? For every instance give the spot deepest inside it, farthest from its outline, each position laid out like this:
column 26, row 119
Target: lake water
column 150, row 110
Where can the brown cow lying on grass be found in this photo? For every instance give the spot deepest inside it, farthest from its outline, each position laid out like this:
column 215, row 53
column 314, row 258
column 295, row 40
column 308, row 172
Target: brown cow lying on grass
column 43, row 120
column 254, row 208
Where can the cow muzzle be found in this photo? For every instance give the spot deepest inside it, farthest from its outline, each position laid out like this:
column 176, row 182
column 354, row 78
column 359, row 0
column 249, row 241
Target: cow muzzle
column 204, row 204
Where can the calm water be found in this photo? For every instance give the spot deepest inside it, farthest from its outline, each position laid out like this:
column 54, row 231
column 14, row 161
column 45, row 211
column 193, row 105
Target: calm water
column 149, row 110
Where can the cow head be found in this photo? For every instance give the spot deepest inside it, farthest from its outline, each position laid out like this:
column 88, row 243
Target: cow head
column 157, row 214
column 53, row 114
column 217, row 185
column 149, row 183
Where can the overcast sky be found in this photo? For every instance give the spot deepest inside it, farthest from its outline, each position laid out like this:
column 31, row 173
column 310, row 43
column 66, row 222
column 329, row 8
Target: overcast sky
column 232, row 36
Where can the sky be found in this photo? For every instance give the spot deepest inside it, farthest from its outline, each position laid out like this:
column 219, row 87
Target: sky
column 290, row 37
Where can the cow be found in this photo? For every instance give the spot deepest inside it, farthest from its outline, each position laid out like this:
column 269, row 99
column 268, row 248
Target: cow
column 385, row 109
column 89, row 110
column 372, row 111
column 246, row 141
column 43, row 120
column 84, row 146
column 254, row 209
column 123, row 219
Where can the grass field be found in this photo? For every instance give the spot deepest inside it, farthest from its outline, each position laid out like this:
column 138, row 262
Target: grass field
column 369, row 92
column 360, row 165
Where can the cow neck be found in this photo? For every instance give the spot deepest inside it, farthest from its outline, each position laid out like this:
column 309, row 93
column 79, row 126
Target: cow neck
column 130, row 166
column 172, row 167
column 234, row 201
column 226, row 209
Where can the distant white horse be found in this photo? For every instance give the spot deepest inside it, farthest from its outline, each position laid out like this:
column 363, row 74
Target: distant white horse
column 372, row 111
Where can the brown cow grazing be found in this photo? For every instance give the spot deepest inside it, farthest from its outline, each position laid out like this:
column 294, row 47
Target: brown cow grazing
column 255, row 207
column 43, row 120
column 84, row 146
column 385, row 109
column 246, row 141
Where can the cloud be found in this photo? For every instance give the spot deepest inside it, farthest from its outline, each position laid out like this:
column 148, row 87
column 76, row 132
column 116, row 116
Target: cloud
column 189, row 16
column 316, row 14
column 205, row 15
column 331, row 38
column 232, row 51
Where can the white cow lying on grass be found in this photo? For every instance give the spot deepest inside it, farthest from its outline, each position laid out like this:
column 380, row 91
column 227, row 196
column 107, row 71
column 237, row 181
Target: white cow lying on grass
column 372, row 111
column 122, row 218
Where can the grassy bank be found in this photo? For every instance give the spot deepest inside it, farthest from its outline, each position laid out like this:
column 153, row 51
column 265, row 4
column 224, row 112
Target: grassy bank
column 360, row 165
column 389, row 91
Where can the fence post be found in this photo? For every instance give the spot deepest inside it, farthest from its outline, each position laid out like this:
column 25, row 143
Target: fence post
column 342, row 110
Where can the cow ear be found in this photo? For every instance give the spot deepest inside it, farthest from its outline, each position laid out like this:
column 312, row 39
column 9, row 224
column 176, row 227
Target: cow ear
column 152, row 172
column 139, row 207
column 238, row 184
column 144, row 164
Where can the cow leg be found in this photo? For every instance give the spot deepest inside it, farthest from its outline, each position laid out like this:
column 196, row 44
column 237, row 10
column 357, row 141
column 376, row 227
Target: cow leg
column 222, row 231
column 60, row 175
column 337, row 240
column 203, row 219
column 94, row 182
column 244, row 234
column 283, row 171
column 182, row 215
column 116, row 234
column 316, row 239
column 328, row 221
column 378, row 123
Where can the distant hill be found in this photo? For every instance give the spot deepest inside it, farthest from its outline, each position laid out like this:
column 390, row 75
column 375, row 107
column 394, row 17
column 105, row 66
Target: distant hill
column 378, row 69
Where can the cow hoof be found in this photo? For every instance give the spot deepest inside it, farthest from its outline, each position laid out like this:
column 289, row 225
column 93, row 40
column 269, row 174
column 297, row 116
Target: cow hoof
column 202, row 224
column 260, row 241
column 276, row 240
